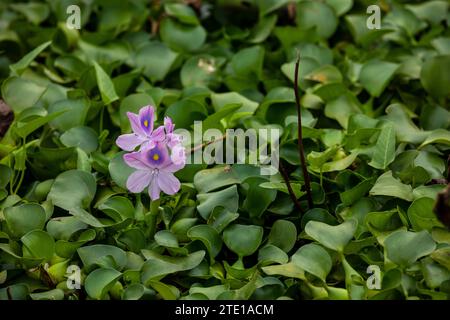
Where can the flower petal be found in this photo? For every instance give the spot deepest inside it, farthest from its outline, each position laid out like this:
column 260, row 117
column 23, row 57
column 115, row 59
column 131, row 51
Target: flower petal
column 178, row 155
column 172, row 167
column 168, row 182
column 153, row 189
column 138, row 180
column 135, row 125
column 135, row 160
column 158, row 157
column 146, row 119
column 158, row 135
column 129, row 141
column 168, row 124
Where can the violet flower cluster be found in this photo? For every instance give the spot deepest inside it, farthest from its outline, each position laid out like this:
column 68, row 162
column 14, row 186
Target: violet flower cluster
column 160, row 153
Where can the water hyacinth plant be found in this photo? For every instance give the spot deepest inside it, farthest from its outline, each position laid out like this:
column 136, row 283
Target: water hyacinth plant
column 101, row 198
column 160, row 154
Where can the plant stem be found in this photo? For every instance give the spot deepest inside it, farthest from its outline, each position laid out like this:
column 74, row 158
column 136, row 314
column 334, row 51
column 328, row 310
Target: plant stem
column 153, row 217
column 291, row 192
column 201, row 146
column 300, row 136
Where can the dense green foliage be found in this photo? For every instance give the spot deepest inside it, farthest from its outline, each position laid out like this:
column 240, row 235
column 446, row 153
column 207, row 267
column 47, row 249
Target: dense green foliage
column 376, row 133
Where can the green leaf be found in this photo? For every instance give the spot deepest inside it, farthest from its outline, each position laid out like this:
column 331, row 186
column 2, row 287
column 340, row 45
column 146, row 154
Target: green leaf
column 99, row 281
column 243, row 240
column 210, row 179
column 166, row 238
column 268, row 6
column 119, row 170
column 102, row 255
column 283, row 235
column 387, row 185
column 118, row 208
column 405, row 247
column 30, row 93
column 201, row 71
column 421, row 215
column 227, row 198
column 38, row 244
column 72, row 189
column 342, row 108
column 19, row 67
column 182, row 37
column 332, row 237
column 185, row 112
column 406, row 130
column 105, row 85
column 157, row 266
column 317, row 16
column 439, row 136
column 25, row 218
column 271, row 254
column 384, row 151
column 281, row 186
column 258, row 198
column 74, row 113
column 54, row 294
column 84, row 138
column 375, row 76
column 220, row 218
column 182, row 13
column 434, row 76
column 156, row 60
column 208, row 236
column 313, row 259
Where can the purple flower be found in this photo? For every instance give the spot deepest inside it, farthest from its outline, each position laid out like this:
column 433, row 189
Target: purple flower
column 173, row 141
column 143, row 133
column 155, row 170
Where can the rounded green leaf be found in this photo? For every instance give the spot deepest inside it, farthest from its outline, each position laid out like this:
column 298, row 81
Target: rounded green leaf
column 158, row 266
column 25, row 218
column 119, row 170
column 375, row 76
column 182, row 37
column 55, row 294
column 243, row 240
column 209, row 236
column 156, row 60
column 84, row 138
column 332, row 237
column 313, row 259
column 185, row 112
column 118, row 208
column 421, row 215
column 38, row 244
column 99, row 281
column 72, row 189
column 283, row 235
column 166, row 238
column 103, row 255
column 318, row 16
column 30, row 92
column 435, row 77
column 201, row 70
column 405, row 247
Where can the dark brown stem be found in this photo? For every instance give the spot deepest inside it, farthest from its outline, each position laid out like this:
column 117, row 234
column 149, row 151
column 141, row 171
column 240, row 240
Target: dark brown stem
column 291, row 192
column 201, row 146
column 300, row 136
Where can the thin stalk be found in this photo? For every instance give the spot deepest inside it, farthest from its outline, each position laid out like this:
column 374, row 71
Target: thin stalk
column 201, row 146
column 301, row 150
